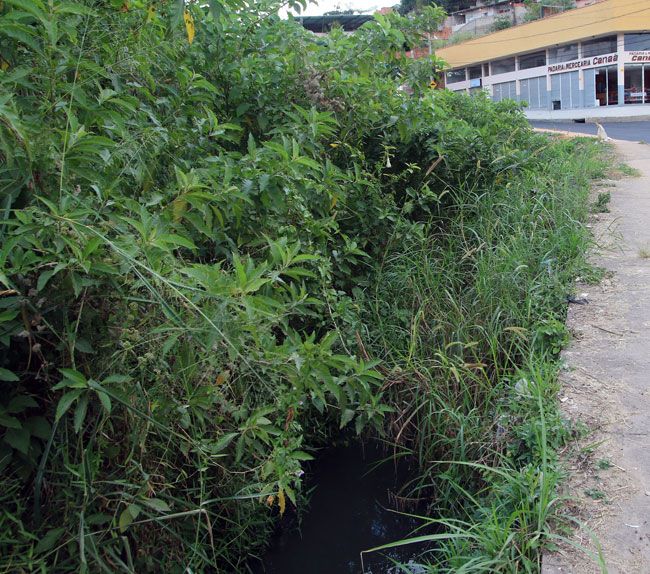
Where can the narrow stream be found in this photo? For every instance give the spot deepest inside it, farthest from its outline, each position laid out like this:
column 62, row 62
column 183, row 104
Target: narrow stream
column 350, row 510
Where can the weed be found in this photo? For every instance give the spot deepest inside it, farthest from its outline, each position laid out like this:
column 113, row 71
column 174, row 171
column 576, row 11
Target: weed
column 603, row 464
column 589, row 449
column 602, row 202
column 644, row 253
column 596, row 494
column 628, row 170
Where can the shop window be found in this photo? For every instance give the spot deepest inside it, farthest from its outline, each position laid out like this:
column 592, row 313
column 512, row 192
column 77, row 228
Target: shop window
column 561, row 54
column 606, row 86
column 534, row 60
column 646, row 83
column 637, row 42
column 566, row 89
column 474, row 72
column 533, row 91
column 599, row 46
column 634, row 85
column 503, row 91
column 503, row 66
column 454, row 76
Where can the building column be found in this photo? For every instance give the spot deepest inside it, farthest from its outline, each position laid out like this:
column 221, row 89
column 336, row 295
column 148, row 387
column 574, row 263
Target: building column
column 621, row 69
column 549, row 86
column 581, row 88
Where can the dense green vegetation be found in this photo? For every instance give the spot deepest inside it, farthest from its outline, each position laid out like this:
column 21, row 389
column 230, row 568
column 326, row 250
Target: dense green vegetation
column 223, row 240
column 406, row 6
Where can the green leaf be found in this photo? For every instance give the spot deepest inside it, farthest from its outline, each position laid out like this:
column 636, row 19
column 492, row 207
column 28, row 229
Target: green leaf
column 125, row 520
column 177, row 240
column 48, row 541
column 91, row 246
column 116, row 379
column 7, row 375
column 73, row 8
column 8, row 315
column 33, row 7
column 78, row 380
column 9, row 421
column 301, row 455
column 65, row 402
column 80, row 412
column 44, row 277
column 38, row 427
column 346, row 416
column 105, row 400
column 223, row 442
column 157, row 504
column 216, row 9
column 18, row 439
column 20, row 403
column 128, row 515
column 169, row 343
column 83, row 346
column 21, row 33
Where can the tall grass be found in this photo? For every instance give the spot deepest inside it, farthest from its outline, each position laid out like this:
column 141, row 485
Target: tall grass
column 473, row 320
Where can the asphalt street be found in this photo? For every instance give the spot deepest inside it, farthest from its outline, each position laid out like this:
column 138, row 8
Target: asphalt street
column 628, row 131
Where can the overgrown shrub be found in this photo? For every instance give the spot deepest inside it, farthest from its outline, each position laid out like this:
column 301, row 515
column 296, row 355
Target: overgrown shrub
column 200, row 207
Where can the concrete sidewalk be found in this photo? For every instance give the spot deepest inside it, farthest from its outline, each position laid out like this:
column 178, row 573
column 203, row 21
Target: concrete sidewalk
column 606, row 385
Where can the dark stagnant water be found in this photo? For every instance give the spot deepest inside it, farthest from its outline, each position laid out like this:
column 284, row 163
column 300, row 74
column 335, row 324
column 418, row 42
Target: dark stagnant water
column 349, row 511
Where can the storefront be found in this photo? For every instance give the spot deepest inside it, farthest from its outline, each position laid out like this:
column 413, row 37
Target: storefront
column 589, row 61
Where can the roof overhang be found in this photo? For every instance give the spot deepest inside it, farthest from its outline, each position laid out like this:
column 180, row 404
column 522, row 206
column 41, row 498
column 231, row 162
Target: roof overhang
column 600, row 19
column 348, row 22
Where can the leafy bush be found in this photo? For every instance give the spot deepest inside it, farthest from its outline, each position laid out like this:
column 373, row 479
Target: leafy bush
column 200, row 206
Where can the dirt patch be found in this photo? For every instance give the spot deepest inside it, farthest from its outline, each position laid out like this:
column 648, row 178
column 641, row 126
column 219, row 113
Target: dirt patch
column 606, row 391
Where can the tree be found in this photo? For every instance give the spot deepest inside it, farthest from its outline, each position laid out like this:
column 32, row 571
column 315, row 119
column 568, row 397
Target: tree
column 502, row 23
column 535, row 8
column 407, row 6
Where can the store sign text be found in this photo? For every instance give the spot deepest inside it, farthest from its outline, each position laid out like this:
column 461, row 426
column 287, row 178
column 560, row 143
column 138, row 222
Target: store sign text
column 586, row 63
column 639, row 56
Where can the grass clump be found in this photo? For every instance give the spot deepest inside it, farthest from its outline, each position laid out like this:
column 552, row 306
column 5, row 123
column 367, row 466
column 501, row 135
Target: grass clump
column 601, row 205
column 224, row 242
column 628, row 170
column 596, row 494
column 481, row 316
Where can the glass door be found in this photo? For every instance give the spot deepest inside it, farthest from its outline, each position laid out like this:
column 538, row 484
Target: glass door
column 612, row 86
column 601, row 86
column 606, row 83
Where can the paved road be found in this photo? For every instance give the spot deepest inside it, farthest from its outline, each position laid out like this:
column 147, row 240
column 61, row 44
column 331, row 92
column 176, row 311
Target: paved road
column 629, row 131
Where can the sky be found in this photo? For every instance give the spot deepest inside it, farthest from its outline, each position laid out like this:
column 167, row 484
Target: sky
column 316, row 9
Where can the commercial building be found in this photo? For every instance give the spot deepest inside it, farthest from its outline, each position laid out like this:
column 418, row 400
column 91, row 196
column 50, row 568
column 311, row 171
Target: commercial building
column 587, row 62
